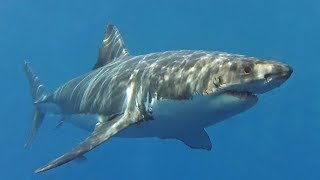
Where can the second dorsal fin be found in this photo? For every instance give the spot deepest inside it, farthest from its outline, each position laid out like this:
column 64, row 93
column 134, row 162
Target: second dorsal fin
column 112, row 47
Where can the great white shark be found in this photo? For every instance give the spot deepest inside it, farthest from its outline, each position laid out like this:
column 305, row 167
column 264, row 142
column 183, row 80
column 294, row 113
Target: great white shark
column 173, row 94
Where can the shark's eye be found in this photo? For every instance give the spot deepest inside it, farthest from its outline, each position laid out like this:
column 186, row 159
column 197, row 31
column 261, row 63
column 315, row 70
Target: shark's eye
column 247, row 69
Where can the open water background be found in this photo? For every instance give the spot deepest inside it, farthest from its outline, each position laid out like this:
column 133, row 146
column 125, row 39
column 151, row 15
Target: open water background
column 279, row 138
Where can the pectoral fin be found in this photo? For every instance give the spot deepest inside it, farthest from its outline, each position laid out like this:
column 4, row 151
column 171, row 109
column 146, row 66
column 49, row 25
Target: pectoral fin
column 102, row 132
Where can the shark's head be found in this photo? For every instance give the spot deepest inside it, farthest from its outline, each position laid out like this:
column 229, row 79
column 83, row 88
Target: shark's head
column 246, row 76
column 241, row 79
column 237, row 81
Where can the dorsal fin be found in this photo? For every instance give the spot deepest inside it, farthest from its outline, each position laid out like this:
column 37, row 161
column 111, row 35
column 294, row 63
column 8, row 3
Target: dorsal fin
column 112, row 47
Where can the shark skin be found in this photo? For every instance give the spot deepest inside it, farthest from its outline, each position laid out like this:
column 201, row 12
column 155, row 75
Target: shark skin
column 173, row 94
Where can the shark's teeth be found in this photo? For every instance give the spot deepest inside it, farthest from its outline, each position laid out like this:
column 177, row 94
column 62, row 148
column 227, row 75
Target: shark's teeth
column 241, row 94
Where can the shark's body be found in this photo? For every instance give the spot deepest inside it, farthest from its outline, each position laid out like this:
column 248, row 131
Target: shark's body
column 172, row 94
column 94, row 93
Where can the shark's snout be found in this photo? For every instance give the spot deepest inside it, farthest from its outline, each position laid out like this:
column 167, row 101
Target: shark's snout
column 279, row 71
column 287, row 71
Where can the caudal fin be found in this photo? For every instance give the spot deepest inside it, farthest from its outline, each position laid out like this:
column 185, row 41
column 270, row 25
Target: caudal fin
column 37, row 92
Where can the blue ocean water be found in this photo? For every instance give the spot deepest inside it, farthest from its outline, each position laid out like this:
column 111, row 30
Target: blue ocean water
column 279, row 138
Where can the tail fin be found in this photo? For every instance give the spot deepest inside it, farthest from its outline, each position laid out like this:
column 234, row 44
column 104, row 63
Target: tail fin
column 37, row 92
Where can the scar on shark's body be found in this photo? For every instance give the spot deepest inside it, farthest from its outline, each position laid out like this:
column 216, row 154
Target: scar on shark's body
column 169, row 95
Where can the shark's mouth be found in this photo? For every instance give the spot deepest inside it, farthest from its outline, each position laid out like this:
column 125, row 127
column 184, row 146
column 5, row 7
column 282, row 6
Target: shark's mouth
column 241, row 94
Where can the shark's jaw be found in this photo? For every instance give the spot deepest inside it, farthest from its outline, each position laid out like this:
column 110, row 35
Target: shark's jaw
column 241, row 94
